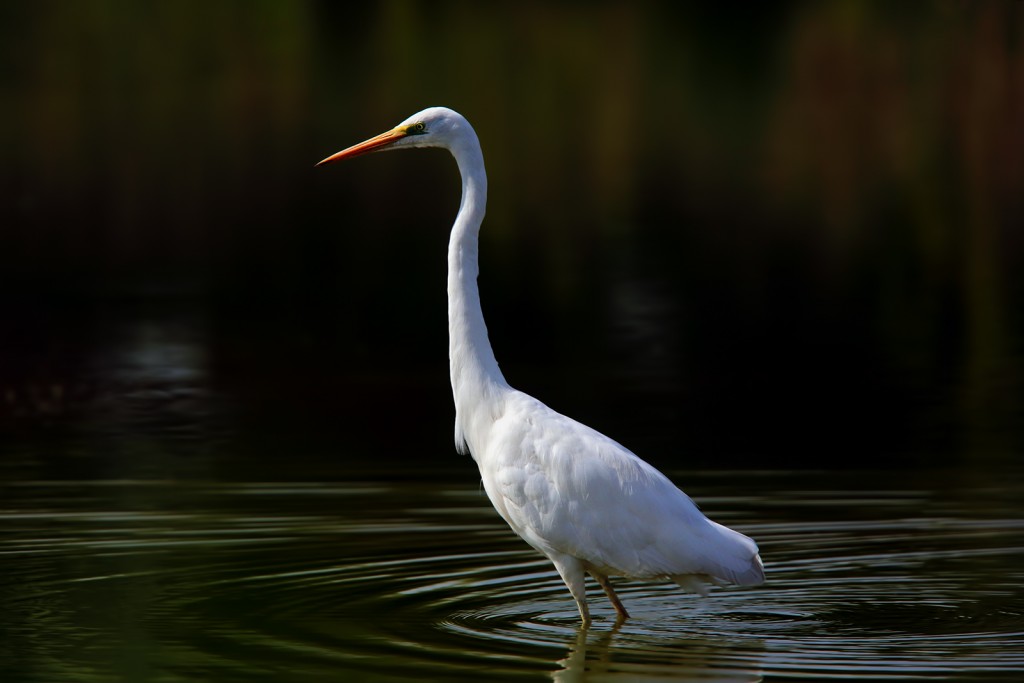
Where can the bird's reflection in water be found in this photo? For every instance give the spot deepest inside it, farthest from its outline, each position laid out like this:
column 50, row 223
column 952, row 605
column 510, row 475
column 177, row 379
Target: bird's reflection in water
column 615, row 655
column 575, row 666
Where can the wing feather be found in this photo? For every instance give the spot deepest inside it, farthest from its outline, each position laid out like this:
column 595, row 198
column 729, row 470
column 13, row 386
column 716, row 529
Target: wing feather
column 566, row 488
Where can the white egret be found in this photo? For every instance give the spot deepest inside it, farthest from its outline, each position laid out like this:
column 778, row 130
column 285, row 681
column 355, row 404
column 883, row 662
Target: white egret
column 577, row 496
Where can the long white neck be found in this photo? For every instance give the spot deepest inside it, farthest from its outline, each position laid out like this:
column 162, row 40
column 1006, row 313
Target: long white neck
column 477, row 383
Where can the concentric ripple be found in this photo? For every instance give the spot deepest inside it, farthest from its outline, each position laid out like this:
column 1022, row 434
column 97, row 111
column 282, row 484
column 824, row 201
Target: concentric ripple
column 414, row 581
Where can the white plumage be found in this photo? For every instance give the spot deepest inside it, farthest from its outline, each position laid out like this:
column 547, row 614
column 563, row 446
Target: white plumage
column 578, row 497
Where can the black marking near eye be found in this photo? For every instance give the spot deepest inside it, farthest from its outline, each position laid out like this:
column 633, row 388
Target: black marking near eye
column 417, row 128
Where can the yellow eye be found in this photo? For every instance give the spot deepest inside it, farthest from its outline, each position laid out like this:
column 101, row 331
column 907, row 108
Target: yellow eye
column 419, row 127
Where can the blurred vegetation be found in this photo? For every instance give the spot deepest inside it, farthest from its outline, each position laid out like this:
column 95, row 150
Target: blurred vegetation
column 792, row 228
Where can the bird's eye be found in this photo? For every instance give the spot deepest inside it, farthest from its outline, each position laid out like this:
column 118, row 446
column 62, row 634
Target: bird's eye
column 419, row 127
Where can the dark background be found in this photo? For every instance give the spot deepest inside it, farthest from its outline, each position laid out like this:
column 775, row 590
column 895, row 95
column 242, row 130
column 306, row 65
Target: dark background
column 786, row 235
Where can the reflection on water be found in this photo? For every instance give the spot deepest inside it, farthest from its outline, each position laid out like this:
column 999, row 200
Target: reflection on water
column 175, row 580
column 151, row 530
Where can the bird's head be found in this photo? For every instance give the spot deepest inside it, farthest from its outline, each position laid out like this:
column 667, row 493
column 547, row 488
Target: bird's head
column 433, row 127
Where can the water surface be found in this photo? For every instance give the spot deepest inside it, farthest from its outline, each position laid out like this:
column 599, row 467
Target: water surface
column 887, row 575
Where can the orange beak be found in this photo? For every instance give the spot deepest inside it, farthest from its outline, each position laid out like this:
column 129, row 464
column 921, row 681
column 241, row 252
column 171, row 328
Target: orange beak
column 371, row 145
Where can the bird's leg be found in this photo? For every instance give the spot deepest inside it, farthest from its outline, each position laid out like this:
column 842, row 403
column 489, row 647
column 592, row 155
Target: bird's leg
column 571, row 571
column 610, row 592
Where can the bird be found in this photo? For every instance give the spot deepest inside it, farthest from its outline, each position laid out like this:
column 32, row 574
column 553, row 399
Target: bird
column 588, row 504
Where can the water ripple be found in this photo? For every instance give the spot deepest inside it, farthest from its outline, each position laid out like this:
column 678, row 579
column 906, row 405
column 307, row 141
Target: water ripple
column 409, row 581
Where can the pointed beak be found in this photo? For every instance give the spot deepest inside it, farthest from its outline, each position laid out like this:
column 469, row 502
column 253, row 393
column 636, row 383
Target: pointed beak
column 372, row 145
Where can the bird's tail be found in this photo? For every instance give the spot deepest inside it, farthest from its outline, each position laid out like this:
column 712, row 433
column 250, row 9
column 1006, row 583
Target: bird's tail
column 701, row 583
column 730, row 557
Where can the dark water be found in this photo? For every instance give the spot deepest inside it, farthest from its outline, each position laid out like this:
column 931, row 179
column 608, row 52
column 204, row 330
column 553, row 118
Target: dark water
column 869, row 575
column 157, row 525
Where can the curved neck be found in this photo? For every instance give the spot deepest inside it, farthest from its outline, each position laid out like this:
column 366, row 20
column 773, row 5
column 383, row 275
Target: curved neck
column 476, row 379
